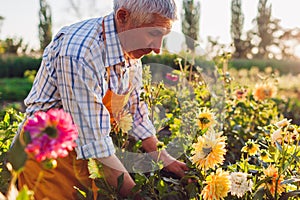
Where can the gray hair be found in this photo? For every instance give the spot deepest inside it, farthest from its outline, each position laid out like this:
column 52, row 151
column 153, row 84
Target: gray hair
column 142, row 10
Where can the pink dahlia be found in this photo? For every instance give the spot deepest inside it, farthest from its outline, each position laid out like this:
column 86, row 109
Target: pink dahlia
column 52, row 134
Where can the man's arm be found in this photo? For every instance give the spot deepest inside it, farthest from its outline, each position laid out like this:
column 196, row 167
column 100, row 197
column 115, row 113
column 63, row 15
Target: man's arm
column 112, row 169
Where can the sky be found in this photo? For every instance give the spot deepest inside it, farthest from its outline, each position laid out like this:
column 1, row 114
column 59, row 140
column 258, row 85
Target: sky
column 21, row 17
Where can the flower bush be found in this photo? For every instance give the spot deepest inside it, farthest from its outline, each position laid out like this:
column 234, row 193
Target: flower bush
column 233, row 136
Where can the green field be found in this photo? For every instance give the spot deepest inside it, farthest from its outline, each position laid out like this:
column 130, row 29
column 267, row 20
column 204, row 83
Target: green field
column 14, row 89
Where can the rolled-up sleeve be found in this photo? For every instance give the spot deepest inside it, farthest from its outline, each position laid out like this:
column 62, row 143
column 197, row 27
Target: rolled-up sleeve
column 142, row 125
column 82, row 88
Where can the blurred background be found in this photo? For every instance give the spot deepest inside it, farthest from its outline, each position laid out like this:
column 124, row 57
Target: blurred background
column 259, row 34
column 248, row 28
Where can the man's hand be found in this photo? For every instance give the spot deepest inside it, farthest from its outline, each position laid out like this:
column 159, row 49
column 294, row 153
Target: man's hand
column 170, row 163
column 174, row 166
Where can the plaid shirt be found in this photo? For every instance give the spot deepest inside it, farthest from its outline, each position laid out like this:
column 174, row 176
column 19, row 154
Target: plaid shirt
column 73, row 76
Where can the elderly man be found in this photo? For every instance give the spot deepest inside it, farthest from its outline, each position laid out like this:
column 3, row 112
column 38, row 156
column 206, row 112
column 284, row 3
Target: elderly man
column 84, row 68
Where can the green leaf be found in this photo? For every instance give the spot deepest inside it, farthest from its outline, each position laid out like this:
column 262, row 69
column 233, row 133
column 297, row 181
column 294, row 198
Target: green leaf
column 263, row 181
column 259, row 194
column 120, row 182
column 25, row 194
column 6, row 119
column 192, row 190
column 16, row 155
column 161, row 187
column 140, row 179
column 81, row 195
column 278, row 146
column 93, row 169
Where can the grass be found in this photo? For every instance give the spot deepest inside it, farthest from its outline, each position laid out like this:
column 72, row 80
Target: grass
column 14, row 89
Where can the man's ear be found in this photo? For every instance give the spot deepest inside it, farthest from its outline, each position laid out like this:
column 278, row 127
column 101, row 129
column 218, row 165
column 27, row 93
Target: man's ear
column 122, row 15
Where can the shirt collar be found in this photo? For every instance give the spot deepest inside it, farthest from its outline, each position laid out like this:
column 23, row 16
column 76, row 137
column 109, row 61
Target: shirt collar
column 114, row 53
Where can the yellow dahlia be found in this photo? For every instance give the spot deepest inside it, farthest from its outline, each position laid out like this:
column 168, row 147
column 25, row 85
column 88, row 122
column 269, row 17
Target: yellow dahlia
column 272, row 172
column 205, row 119
column 263, row 91
column 251, row 148
column 239, row 184
column 217, row 185
column 265, row 156
column 209, row 150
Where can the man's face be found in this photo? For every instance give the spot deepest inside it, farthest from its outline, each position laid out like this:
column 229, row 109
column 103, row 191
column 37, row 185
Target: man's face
column 142, row 40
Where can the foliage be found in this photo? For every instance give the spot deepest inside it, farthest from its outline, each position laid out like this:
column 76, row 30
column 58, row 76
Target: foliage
column 283, row 67
column 15, row 66
column 247, row 124
column 12, row 46
column 217, row 125
column 14, row 89
column 8, row 127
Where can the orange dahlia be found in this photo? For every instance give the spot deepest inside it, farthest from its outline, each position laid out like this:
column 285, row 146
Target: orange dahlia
column 264, row 91
column 218, row 185
column 272, row 172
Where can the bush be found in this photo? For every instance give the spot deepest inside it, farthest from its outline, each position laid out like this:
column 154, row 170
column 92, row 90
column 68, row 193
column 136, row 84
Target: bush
column 15, row 66
column 283, row 67
column 14, row 89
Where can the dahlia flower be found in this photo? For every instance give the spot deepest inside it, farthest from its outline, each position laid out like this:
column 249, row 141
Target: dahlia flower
column 218, row 185
column 205, row 119
column 265, row 156
column 251, row 148
column 209, row 151
column 264, row 91
column 239, row 184
column 123, row 121
column 52, row 134
column 272, row 172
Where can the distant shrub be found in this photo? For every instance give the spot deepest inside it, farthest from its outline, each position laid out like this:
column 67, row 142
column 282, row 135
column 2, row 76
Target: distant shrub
column 283, row 67
column 15, row 66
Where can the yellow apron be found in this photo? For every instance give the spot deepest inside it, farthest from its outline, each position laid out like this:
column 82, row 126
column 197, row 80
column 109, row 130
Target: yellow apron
column 59, row 183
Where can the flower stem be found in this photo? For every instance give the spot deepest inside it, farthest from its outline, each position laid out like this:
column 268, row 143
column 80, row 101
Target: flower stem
column 40, row 177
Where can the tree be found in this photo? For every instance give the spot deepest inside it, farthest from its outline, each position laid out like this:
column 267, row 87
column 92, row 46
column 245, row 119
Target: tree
column 190, row 22
column 266, row 28
column 45, row 25
column 287, row 43
column 237, row 23
column 1, row 21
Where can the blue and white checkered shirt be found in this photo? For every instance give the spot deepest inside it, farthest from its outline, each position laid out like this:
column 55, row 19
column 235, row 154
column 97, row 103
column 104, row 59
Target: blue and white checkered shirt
column 73, row 76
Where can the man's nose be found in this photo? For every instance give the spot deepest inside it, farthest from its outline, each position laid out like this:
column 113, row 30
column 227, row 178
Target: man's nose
column 156, row 45
column 157, row 51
